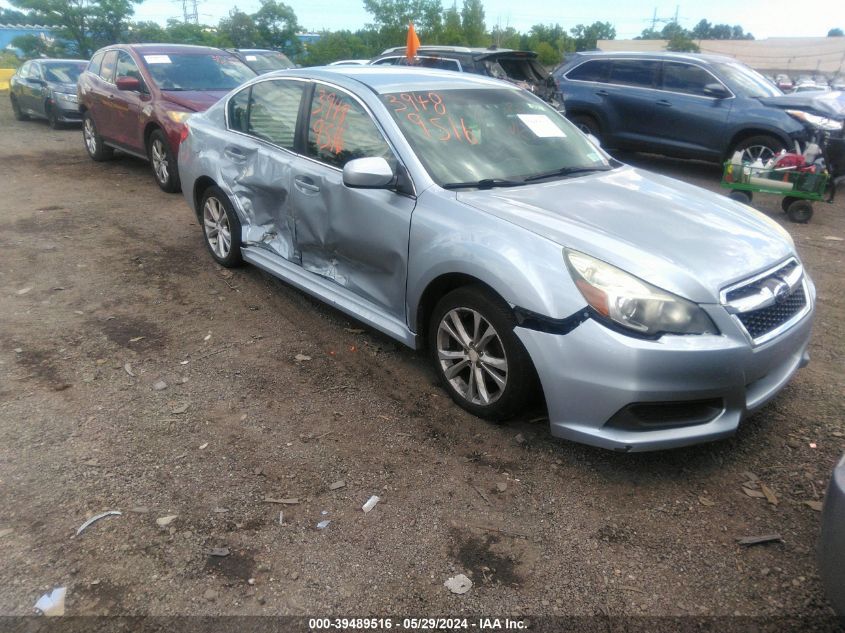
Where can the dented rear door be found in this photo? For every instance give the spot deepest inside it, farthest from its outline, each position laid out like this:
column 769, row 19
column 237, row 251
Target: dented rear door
column 358, row 238
column 258, row 161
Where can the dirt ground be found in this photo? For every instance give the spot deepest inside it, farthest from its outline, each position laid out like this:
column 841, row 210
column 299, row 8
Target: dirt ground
column 106, row 290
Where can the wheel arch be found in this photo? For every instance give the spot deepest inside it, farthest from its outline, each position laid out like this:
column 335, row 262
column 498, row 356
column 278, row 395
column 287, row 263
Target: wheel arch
column 201, row 185
column 748, row 132
column 148, row 132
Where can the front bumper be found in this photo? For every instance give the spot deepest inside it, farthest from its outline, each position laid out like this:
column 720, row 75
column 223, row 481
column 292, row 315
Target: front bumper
column 592, row 374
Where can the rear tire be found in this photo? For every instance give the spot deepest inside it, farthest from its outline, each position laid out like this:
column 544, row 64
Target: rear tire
column 761, row 146
column 587, row 124
column 94, row 145
column 221, row 228
column 163, row 163
column 16, row 110
column 477, row 355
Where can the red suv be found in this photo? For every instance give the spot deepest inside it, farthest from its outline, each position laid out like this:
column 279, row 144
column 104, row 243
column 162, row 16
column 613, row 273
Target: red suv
column 136, row 98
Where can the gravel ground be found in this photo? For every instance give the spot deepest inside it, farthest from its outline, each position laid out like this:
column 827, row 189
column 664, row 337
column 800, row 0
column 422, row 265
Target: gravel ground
column 136, row 375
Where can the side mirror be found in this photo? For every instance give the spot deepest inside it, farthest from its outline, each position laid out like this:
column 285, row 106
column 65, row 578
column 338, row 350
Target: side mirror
column 368, row 173
column 716, row 90
column 128, row 83
column 36, row 81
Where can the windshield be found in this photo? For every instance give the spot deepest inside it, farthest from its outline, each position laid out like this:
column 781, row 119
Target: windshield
column 197, row 72
column 474, row 134
column 267, row 62
column 746, row 82
column 64, row 73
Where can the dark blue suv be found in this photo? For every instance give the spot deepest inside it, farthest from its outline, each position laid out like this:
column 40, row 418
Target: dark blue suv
column 685, row 105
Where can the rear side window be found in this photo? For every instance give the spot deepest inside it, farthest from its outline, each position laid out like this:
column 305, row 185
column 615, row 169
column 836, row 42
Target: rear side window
column 268, row 111
column 109, row 64
column 386, row 61
column 23, row 73
column 431, row 62
column 95, row 63
column 595, row 70
column 341, row 130
column 634, row 72
column 239, row 111
column 686, row 78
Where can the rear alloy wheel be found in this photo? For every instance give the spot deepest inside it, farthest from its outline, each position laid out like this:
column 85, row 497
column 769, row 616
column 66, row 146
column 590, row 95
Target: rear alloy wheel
column 94, row 145
column 587, row 124
column 762, row 147
column 477, row 356
column 16, row 110
column 163, row 163
column 221, row 228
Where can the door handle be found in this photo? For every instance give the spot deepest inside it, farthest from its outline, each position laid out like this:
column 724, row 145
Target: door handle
column 602, row 93
column 234, row 154
column 305, row 185
column 664, row 103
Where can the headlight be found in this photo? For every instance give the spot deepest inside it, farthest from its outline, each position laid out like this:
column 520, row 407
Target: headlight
column 633, row 303
column 65, row 96
column 178, row 116
column 818, row 122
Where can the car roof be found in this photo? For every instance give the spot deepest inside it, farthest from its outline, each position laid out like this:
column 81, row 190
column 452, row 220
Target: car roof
column 164, row 49
column 386, row 79
column 60, row 60
column 688, row 57
column 255, row 50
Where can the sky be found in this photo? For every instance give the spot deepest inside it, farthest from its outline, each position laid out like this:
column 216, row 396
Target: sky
column 763, row 18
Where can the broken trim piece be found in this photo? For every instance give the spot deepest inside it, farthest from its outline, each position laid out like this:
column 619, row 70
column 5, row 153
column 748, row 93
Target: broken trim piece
column 534, row 321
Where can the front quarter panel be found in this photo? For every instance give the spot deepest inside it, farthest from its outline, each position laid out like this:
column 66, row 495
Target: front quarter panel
column 525, row 269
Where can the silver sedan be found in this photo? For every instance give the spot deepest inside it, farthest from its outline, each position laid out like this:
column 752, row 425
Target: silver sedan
column 464, row 216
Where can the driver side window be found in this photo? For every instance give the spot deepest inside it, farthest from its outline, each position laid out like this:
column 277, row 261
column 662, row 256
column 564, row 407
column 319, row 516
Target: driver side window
column 341, row 130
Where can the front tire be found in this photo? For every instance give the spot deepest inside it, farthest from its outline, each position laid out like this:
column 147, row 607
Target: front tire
column 163, row 163
column 587, row 124
column 53, row 117
column 94, row 145
column 477, row 355
column 221, row 228
column 761, row 146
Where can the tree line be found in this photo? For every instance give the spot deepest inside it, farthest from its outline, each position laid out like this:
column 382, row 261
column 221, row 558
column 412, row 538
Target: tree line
column 83, row 26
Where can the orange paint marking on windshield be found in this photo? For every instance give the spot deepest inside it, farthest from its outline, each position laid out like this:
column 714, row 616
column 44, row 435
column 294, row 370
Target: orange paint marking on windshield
column 428, row 112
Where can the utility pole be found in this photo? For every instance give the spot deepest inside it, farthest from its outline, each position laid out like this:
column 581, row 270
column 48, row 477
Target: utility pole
column 189, row 11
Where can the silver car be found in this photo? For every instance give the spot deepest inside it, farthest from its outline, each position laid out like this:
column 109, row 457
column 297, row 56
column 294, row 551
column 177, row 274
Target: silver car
column 465, row 216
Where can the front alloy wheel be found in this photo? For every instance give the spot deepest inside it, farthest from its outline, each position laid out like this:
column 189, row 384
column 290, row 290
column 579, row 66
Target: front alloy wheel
column 472, row 357
column 480, row 360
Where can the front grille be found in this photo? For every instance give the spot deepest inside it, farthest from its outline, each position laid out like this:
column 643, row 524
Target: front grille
column 755, row 286
column 760, row 322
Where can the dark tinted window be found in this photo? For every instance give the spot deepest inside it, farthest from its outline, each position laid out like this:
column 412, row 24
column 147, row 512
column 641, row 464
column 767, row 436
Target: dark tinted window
column 64, row 72
column 633, row 72
column 273, row 108
column 341, row 130
column 126, row 66
column 595, row 70
column 239, row 111
column 386, row 61
column 430, row 62
column 686, row 78
column 94, row 64
column 180, row 71
column 109, row 64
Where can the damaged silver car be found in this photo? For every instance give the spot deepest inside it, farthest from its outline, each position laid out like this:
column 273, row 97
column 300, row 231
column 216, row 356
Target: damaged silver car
column 466, row 216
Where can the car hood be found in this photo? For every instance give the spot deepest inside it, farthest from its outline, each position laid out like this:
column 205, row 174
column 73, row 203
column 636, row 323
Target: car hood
column 58, row 86
column 196, row 100
column 676, row 236
column 829, row 104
